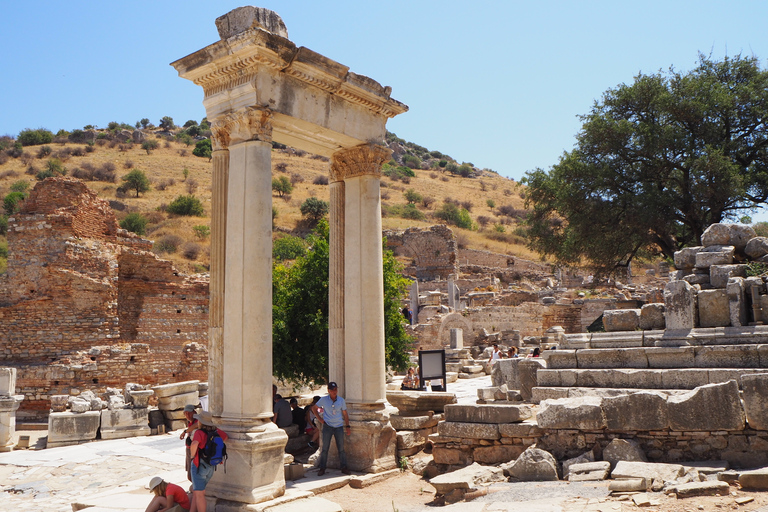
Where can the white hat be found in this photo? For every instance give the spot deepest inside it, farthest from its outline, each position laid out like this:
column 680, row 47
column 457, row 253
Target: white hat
column 156, row 480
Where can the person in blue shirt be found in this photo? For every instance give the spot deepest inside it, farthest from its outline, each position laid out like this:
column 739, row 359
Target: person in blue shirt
column 335, row 423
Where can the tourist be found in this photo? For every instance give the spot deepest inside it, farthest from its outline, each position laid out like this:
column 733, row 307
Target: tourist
column 535, row 353
column 297, row 414
column 312, row 429
column 167, row 496
column 496, row 354
column 335, row 423
column 411, row 380
column 200, row 470
column 407, row 313
column 513, row 352
column 192, row 425
column 282, row 417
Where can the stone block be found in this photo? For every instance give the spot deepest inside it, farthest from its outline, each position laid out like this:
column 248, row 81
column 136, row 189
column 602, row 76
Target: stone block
column 457, row 338
column 412, row 401
column 497, row 454
column 539, row 394
column 172, row 425
column 652, row 316
column 492, row 393
column 468, row 430
column 528, row 370
column 487, row 413
column 400, row 422
column 646, row 410
column 293, row 471
column 177, row 388
column 78, row 405
column 727, row 356
column 686, row 258
column 628, row 485
column 584, row 413
column 533, row 465
column 59, row 403
column 757, row 247
column 588, row 471
column 617, row 358
column 737, row 235
column 66, row 428
column 174, row 402
column 720, row 274
column 141, row 398
column 451, row 456
column 649, row 471
column 474, row 368
column 560, row 359
column 737, row 304
column 465, row 478
column 621, row 320
column 176, row 414
column 756, row 480
column 505, row 372
column 755, row 394
column 411, row 439
column 670, row 357
column 714, row 255
column 623, row 450
column 714, row 308
column 121, row 423
column 7, row 381
column 520, row 430
column 693, row 489
column 684, row 378
column 694, row 279
column 707, row 408
column 680, row 310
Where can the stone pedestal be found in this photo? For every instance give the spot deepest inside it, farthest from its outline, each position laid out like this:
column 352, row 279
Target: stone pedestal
column 121, row 423
column 8, row 407
column 68, row 428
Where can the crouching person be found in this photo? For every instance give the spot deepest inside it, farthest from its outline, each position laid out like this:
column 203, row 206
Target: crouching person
column 167, row 496
column 201, row 470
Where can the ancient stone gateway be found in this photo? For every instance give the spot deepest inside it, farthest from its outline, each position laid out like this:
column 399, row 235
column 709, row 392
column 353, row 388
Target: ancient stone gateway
column 260, row 87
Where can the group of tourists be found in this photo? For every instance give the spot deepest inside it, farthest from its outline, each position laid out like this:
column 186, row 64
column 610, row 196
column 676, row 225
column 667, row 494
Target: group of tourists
column 498, row 353
column 199, row 429
column 287, row 413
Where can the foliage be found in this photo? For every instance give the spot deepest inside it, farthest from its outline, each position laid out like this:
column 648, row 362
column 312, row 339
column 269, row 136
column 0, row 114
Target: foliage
column 288, row 248
column 314, row 209
column 452, row 167
column 282, row 185
column 3, row 224
column 756, row 268
column 452, row 214
column 465, row 170
column 20, row 186
column 166, row 123
column 144, row 122
column 12, row 202
column 168, row 244
column 412, row 196
column 300, row 314
column 203, row 149
column 761, row 228
column 202, row 231
column 149, row 145
column 186, row 205
column 491, row 203
column 135, row 223
column 406, row 211
column 412, row 161
column 28, row 137
column 136, row 180
column 655, row 163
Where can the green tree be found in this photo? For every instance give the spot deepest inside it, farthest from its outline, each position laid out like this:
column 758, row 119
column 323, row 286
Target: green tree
column 452, row 214
column 203, row 149
column 412, row 196
column 136, row 180
column 135, row 223
column 314, row 209
column 288, row 248
column 282, row 185
column 149, row 145
column 12, row 202
column 186, row 205
column 28, row 137
column 656, row 162
column 144, row 122
column 166, row 123
column 300, row 314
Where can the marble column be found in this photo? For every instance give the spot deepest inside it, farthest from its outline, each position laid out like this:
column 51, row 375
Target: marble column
column 371, row 446
column 255, row 446
column 336, row 284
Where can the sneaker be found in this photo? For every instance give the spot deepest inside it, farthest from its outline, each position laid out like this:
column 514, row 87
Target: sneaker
column 345, row 471
column 321, row 472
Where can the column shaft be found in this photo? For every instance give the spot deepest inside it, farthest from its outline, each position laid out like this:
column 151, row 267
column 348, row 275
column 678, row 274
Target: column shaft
column 219, row 180
column 336, row 368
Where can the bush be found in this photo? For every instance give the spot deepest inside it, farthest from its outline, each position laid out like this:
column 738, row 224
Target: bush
column 191, row 250
column 149, row 145
column 322, row 179
column 282, row 186
column 452, row 168
column 29, row 137
column 427, row 201
column 412, row 196
column 191, row 185
column 452, row 214
column 201, row 231
column 407, row 211
column 186, row 205
column 203, row 149
column 296, row 178
column 288, row 248
column 465, row 170
column 12, row 202
column 3, row 224
column 168, row 244
column 135, row 223
column 281, row 167
column 314, row 209
column 44, row 151
column 165, row 183
column 411, row 161
column 136, row 180
column 491, row 203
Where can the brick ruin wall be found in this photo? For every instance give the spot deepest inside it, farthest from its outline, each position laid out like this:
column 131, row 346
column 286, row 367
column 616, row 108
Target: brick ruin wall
column 86, row 305
column 432, row 251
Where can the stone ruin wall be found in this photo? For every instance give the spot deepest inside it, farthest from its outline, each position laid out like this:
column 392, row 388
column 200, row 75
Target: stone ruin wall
column 432, row 251
column 86, row 305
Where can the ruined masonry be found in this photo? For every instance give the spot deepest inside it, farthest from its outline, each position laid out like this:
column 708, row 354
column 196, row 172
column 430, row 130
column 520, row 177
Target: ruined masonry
column 87, row 305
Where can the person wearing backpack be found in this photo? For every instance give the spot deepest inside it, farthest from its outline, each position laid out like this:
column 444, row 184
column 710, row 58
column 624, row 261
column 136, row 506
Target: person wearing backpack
column 202, row 469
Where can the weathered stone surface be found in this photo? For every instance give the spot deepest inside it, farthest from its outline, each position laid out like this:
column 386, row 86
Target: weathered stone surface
column 169, row 403
column 116, row 402
column 466, row 478
column 400, row 422
column 756, row 480
column 719, row 274
column 755, row 394
column 714, row 308
column 709, row 407
column 686, row 258
column 714, row 255
column 71, row 428
column 411, row 439
column 141, row 398
column 652, row 316
column 451, row 456
column 59, row 403
column 408, row 401
column 487, row 413
column 177, row 388
column 623, row 450
column 757, row 247
column 79, row 405
column 737, row 304
column 583, row 413
column 700, row 279
column 559, row 359
column 528, row 371
column 518, row 430
column 680, row 310
column 468, row 430
column 621, row 319
column 121, row 423
column 692, row 489
column 628, row 485
column 737, row 235
column 533, row 465
column 726, row 356
column 646, row 410
column 648, row 470
column 241, row 19
column 505, row 372
column 589, row 471
column 7, row 381
column 492, row 393
column 670, row 357
column 497, row 454
column 584, row 458
column 457, row 338
column 617, row 358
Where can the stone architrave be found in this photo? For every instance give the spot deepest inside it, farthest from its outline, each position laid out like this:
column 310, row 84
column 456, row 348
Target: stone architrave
column 621, row 319
column 680, row 311
column 528, row 368
column 707, row 408
column 737, row 305
column 457, row 338
column 714, row 308
column 755, row 393
column 652, row 316
column 122, row 423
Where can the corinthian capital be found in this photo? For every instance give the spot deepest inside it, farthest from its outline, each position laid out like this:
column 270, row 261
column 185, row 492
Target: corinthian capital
column 358, row 161
column 251, row 123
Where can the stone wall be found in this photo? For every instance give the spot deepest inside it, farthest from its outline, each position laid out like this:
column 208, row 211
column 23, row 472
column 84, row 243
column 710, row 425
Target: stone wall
column 432, row 251
column 86, row 304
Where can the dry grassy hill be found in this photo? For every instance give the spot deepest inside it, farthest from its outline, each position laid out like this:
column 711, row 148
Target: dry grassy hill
column 494, row 203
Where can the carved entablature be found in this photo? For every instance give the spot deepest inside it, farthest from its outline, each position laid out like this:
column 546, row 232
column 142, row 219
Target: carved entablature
column 358, row 161
column 252, row 123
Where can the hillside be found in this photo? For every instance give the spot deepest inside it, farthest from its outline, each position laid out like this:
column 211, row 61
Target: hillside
column 493, row 204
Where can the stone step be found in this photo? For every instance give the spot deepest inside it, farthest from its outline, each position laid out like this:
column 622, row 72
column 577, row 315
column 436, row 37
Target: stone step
column 542, row 392
column 680, row 378
column 757, row 334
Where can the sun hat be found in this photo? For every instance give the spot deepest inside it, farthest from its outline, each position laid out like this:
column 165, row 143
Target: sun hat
column 205, row 418
column 189, row 408
column 156, row 480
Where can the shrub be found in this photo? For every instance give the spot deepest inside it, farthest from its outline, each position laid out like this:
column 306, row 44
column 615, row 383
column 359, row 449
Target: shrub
column 135, row 223
column 483, row 220
column 3, row 224
column 442, row 163
column 128, row 164
column 44, row 151
column 191, row 250
column 411, row 161
column 186, row 205
column 55, row 167
column 281, row 167
column 491, row 203
column 467, row 205
column 407, row 211
column 452, row 214
column 452, row 168
column 201, row 231
column 412, row 196
column 165, row 183
column 282, row 185
column 322, row 179
column 10, row 173
column 433, row 175
column 384, row 195
column 149, row 145
column 20, row 186
column 427, row 201
column 296, row 178
column 12, row 202
column 288, row 248
column 168, row 244
column 29, row 137
column 191, row 185
column 314, row 209
column 203, row 149
column 465, row 170
column 78, row 151
column 136, row 180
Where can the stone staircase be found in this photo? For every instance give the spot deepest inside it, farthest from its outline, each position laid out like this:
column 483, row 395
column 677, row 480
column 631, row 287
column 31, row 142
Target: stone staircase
column 672, row 361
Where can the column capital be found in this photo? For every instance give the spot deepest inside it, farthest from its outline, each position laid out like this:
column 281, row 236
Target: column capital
column 358, row 161
column 250, row 123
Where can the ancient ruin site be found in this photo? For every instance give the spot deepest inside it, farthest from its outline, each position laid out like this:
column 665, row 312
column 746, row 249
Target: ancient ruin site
column 540, row 386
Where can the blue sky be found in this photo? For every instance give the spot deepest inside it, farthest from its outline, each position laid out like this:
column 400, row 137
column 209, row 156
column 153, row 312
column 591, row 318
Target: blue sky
column 499, row 84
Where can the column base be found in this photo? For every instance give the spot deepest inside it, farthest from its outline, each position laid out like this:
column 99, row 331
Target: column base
column 254, row 470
